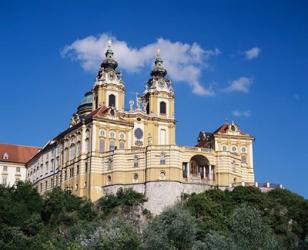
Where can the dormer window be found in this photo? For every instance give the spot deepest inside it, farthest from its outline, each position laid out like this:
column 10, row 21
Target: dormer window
column 5, row 156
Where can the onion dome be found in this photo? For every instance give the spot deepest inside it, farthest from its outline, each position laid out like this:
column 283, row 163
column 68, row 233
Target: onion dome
column 109, row 62
column 85, row 104
column 158, row 70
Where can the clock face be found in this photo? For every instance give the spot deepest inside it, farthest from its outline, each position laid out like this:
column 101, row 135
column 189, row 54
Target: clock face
column 138, row 133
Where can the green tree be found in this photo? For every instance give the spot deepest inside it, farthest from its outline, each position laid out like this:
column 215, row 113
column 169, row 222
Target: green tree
column 118, row 235
column 61, row 207
column 209, row 213
column 175, row 228
column 249, row 231
column 124, row 198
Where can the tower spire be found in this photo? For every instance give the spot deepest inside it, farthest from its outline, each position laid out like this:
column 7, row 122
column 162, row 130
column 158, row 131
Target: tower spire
column 109, row 62
column 158, row 70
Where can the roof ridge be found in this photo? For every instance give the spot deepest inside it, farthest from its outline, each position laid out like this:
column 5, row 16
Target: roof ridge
column 28, row 146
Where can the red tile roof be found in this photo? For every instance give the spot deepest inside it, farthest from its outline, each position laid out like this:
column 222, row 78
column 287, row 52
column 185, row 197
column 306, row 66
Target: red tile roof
column 222, row 129
column 101, row 111
column 17, row 153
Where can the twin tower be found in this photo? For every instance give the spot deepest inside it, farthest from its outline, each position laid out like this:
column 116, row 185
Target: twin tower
column 155, row 107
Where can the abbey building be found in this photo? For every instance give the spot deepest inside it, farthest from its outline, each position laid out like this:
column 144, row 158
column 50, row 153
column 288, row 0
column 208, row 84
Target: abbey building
column 107, row 147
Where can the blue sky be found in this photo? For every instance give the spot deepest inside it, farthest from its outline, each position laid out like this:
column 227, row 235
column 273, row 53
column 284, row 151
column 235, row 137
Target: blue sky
column 245, row 61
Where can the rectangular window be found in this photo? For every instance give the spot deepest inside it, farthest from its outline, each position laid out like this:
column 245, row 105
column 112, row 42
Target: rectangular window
column 65, row 175
column 71, row 172
column 244, row 159
column 102, row 146
column 162, row 159
column 77, row 169
column 87, row 141
column 78, row 148
column 4, row 168
column 18, row 169
column 4, row 180
column 112, row 145
column 86, row 167
column 72, row 152
column 136, row 161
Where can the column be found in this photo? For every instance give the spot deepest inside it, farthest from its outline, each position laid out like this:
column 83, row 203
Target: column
column 188, row 169
column 210, row 173
column 204, row 172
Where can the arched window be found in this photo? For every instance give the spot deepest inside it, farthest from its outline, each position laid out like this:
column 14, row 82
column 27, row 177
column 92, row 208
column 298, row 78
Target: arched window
column 96, row 102
column 148, row 108
column 101, row 146
column 112, row 100
column 162, row 108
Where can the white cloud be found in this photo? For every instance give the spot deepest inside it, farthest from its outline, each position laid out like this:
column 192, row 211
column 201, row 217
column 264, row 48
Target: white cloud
column 184, row 62
column 238, row 113
column 240, row 85
column 252, row 53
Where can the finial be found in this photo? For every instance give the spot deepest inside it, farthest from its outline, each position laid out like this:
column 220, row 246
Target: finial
column 109, row 43
column 158, row 52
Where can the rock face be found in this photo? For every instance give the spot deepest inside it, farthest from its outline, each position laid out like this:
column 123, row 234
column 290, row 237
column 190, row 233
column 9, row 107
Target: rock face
column 161, row 194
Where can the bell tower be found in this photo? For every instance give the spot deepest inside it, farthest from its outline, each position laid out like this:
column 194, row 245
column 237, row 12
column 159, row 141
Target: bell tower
column 159, row 94
column 159, row 101
column 109, row 89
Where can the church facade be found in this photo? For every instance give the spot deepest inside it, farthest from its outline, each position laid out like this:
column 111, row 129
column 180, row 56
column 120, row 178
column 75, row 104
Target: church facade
column 107, row 147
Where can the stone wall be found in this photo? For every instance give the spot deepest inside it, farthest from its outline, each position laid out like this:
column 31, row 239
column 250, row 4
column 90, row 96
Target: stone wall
column 160, row 194
column 112, row 189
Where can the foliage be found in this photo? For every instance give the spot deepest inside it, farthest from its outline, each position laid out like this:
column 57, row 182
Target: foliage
column 118, row 234
column 173, row 229
column 124, row 198
column 249, row 231
column 244, row 218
